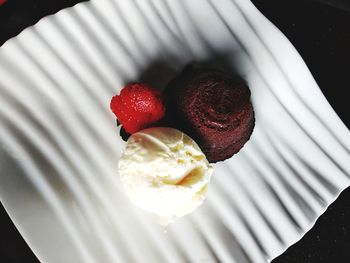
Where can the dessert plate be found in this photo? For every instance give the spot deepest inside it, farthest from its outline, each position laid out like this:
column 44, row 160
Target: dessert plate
column 60, row 145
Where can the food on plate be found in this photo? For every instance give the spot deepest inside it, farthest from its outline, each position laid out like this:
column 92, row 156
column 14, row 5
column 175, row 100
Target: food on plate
column 205, row 116
column 214, row 108
column 164, row 172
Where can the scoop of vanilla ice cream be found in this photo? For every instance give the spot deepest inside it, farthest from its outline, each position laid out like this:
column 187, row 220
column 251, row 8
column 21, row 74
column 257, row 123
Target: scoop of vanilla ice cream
column 164, row 172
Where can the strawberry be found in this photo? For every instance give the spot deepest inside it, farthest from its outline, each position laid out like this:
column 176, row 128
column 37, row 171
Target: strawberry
column 137, row 106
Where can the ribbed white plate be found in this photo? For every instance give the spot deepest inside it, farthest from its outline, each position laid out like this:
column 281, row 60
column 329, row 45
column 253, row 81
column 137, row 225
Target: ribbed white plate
column 60, row 147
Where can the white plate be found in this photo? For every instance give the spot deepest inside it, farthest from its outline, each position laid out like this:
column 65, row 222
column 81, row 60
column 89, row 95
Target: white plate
column 60, row 146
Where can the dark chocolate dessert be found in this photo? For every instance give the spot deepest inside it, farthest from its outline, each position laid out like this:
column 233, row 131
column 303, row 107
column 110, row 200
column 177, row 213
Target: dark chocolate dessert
column 214, row 108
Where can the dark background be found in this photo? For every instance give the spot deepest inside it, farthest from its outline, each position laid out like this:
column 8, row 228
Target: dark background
column 320, row 31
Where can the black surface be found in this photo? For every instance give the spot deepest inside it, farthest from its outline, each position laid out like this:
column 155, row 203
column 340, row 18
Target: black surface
column 320, row 31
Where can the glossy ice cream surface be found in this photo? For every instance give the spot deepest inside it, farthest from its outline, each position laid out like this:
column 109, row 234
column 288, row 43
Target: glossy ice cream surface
column 164, row 172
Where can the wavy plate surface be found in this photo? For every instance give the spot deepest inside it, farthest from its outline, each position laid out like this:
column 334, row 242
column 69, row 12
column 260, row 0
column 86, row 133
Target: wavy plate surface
column 60, row 147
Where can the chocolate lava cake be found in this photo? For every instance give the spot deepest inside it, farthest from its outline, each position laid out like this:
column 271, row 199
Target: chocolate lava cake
column 214, row 108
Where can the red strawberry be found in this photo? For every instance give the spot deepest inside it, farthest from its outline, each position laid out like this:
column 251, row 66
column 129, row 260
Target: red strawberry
column 138, row 106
